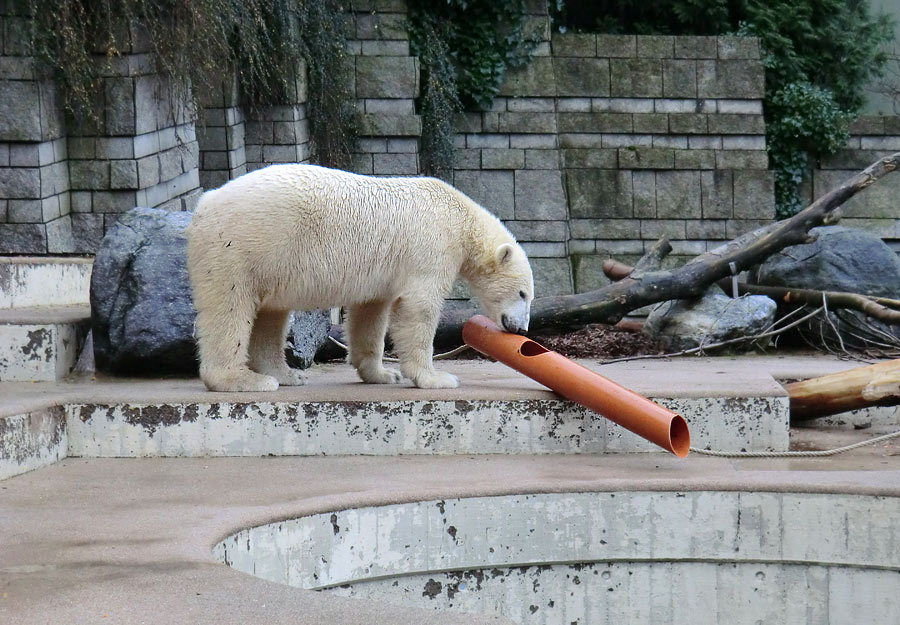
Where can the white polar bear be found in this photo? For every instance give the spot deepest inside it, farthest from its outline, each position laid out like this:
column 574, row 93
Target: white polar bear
column 300, row 237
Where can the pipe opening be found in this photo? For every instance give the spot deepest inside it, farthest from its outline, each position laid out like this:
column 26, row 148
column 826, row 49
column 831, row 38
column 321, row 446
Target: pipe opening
column 530, row 348
column 679, row 436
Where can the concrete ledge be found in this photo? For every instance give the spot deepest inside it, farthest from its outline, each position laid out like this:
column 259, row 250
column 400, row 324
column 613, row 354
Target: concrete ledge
column 32, row 440
column 41, row 344
column 44, row 281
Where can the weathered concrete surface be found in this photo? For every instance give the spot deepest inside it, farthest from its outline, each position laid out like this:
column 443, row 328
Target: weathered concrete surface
column 497, row 410
column 32, row 440
column 133, row 539
column 41, row 343
column 44, row 281
column 783, row 557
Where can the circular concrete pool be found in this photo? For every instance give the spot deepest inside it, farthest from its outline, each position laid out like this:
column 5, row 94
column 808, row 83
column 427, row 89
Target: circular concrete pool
column 601, row 558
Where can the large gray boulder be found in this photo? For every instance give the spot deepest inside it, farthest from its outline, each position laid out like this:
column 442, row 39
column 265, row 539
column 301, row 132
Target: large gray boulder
column 141, row 311
column 840, row 259
column 713, row 318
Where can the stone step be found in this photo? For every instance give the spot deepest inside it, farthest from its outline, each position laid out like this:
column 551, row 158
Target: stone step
column 41, row 344
column 27, row 282
column 495, row 411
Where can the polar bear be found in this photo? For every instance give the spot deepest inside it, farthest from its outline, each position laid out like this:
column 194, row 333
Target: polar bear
column 300, row 237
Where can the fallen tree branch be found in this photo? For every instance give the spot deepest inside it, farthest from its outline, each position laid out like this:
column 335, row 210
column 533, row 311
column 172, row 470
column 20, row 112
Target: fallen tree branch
column 610, row 303
column 875, row 385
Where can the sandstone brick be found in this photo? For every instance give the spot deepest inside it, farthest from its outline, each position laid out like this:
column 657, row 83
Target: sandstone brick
column 527, row 122
column 492, row 189
column 123, row 174
column 541, row 159
column 678, row 194
column 391, row 125
column 597, row 193
column 651, row 123
column 742, row 159
column 688, row 123
column 582, row 77
column 679, row 142
column 754, row 194
column 23, row 239
column 679, row 78
column 494, row 158
column 542, row 230
column 590, row 158
column 552, row 276
column 539, row 195
column 695, row 159
column 395, row 164
column 386, row 77
column 723, row 124
column 640, row 78
column 623, row 105
column 695, row 48
column 644, row 183
column 604, row 228
column 646, row 158
column 381, row 26
column 531, row 105
column 24, row 212
column 544, row 249
column 534, row 79
column 20, row 111
column 738, row 79
column 653, row 229
column 385, row 48
column 574, row 44
column 738, row 47
column 716, row 194
column 595, row 122
column 623, row 46
column 655, row 46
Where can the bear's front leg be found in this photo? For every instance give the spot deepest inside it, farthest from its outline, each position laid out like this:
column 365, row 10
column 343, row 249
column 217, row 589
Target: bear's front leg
column 414, row 322
column 266, row 351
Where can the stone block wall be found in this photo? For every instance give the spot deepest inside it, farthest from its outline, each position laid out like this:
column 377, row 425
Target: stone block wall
column 604, row 143
column 34, row 183
column 876, row 209
column 61, row 184
column 221, row 135
column 386, row 84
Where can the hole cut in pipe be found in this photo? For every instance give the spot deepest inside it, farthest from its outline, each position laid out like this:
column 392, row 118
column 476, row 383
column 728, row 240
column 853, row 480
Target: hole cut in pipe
column 530, row 348
column 680, row 436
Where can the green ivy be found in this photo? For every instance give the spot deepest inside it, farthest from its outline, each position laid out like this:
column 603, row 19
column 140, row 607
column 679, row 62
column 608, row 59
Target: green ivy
column 818, row 55
column 464, row 48
column 804, row 120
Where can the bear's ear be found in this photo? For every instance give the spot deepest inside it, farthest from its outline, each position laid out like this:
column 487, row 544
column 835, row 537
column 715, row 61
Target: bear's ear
column 504, row 253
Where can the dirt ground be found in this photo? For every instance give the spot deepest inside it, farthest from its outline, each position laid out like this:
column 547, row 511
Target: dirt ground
column 597, row 341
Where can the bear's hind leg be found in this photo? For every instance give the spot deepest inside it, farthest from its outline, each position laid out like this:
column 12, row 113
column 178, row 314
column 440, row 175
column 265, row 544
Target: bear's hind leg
column 413, row 325
column 366, row 326
column 267, row 347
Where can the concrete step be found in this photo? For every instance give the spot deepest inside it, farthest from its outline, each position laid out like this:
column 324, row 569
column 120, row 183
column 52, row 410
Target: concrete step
column 495, row 411
column 41, row 343
column 27, row 282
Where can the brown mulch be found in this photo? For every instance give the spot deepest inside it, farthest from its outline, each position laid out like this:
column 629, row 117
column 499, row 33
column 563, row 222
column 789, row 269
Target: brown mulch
column 601, row 342
column 596, row 341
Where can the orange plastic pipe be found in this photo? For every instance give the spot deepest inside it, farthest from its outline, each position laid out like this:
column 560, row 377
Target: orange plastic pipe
column 651, row 421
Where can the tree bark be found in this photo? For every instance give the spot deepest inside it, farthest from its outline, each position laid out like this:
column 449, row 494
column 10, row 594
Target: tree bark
column 874, row 385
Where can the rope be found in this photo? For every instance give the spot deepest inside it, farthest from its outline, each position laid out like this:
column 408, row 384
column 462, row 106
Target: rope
column 794, row 454
column 443, row 356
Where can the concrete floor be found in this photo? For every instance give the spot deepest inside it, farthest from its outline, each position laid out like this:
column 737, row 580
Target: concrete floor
column 130, row 540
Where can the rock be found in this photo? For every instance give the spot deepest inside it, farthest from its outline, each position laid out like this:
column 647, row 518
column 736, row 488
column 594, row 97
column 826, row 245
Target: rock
column 840, row 259
column 715, row 317
column 308, row 332
column 141, row 311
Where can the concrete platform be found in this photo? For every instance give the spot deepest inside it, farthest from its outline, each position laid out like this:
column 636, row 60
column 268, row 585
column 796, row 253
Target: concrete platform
column 131, row 541
column 495, row 411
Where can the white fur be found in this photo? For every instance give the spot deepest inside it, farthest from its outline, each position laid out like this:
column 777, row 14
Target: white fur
column 300, row 237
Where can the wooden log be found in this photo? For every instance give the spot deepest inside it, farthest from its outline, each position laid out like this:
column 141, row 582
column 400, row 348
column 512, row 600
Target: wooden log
column 873, row 385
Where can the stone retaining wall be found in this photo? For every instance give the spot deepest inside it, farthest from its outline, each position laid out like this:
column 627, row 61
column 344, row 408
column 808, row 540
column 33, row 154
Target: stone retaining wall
column 876, row 209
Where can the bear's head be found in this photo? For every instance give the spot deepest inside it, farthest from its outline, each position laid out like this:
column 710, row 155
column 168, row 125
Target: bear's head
column 505, row 288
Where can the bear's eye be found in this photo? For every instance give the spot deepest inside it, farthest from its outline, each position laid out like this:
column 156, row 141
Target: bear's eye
column 522, row 295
